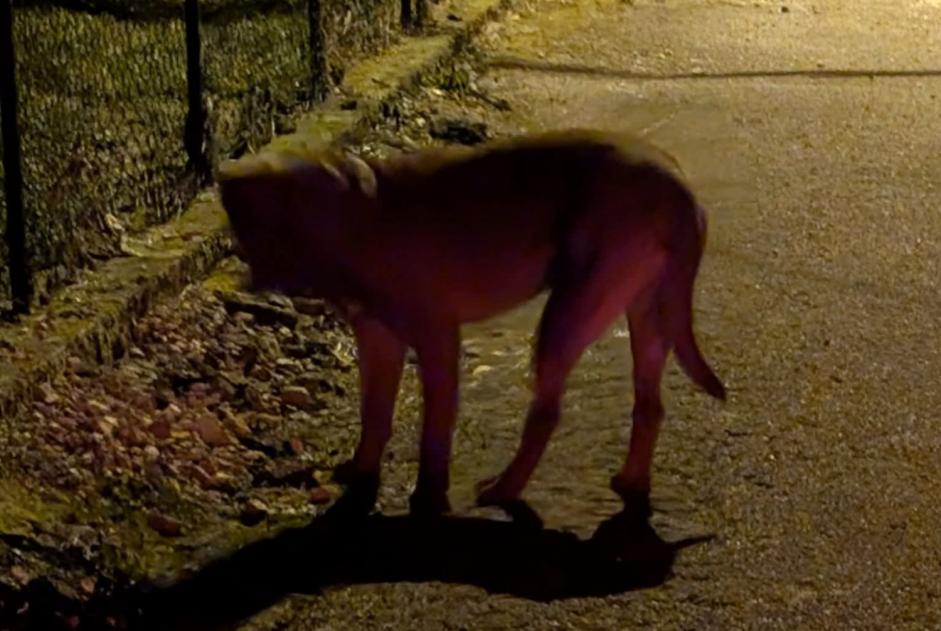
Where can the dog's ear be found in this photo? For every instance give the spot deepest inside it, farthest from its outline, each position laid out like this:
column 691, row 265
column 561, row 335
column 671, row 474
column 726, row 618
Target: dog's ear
column 360, row 173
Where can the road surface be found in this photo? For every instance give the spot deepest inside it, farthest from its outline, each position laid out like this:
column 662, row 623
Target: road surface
column 812, row 498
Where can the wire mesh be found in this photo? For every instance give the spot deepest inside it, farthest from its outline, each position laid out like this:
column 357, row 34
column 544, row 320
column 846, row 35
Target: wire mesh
column 355, row 29
column 5, row 296
column 103, row 106
column 257, row 65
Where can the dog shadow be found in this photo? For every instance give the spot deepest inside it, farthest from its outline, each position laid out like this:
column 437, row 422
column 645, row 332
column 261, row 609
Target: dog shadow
column 347, row 547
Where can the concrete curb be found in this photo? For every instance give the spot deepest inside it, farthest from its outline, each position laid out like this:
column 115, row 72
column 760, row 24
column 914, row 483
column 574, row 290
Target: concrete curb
column 93, row 319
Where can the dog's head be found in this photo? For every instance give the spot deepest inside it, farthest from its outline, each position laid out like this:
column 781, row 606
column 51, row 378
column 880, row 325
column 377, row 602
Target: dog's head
column 290, row 214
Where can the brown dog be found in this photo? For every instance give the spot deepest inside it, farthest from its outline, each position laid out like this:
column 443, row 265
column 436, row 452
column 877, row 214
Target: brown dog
column 413, row 247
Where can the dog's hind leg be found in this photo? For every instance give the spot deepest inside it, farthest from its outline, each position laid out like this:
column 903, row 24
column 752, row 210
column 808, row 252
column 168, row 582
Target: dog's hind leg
column 577, row 313
column 649, row 348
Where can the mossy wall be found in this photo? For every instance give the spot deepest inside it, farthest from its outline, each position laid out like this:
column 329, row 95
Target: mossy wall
column 102, row 95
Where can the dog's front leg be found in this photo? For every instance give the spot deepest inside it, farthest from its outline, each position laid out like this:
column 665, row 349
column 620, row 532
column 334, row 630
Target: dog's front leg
column 381, row 358
column 437, row 350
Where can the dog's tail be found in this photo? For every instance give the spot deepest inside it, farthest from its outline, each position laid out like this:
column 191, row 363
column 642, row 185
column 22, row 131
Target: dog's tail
column 676, row 301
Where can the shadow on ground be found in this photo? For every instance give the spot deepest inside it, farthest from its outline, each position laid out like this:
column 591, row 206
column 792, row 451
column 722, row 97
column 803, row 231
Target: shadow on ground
column 339, row 548
column 344, row 547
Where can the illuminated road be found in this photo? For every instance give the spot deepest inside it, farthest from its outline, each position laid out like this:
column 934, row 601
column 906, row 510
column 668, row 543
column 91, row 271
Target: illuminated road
column 812, row 133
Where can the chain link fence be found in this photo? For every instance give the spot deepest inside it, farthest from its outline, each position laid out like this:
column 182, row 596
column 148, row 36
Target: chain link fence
column 123, row 105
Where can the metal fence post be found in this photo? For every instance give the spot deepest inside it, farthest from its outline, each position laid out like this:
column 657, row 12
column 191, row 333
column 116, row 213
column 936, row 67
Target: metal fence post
column 405, row 14
column 421, row 13
column 21, row 282
column 318, row 51
column 194, row 133
column 412, row 20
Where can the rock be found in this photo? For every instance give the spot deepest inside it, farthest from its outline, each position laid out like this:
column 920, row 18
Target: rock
column 286, row 475
column 163, row 397
column 20, row 574
column 259, row 399
column 225, row 483
column 211, row 431
column 87, row 585
column 262, row 422
column 153, row 470
column 310, row 306
column 151, row 453
column 271, row 447
column 296, row 351
column 160, row 429
column 81, row 368
column 247, row 357
column 205, row 478
column 297, row 446
column 297, row 396
column 143, row 401
column 164, row 525
column 265, row 312
column 314, row 382
column 228, row 385
column 279, row 300
column 253, row 512
column 235, row 424
column 199, row 389
column 106, row 425
column 135, row 437
column 172, row 411
column 260, row 372
column 98, row 407
column 459, row 131
column 286, row 364
column 481, row 369
column 269, row 347
column 319, row 495
column 48, row 394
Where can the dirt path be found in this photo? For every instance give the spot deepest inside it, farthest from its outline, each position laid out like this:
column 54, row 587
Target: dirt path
column 811, row 132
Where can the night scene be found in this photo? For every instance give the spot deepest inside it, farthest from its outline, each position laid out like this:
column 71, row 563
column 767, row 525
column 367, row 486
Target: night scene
column 460, row 315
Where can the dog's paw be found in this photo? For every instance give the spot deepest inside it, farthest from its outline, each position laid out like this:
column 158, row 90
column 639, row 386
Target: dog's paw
column 425, row 504
column 356, row 502
column 523, row 515
column 492, row 492
column 636, row 501
column 345, row 472
column 348, row 474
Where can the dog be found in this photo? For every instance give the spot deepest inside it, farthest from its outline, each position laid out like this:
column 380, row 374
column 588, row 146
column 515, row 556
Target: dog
column 411, row 248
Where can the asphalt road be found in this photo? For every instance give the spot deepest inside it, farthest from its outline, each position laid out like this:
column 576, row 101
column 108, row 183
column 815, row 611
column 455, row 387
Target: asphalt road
column 812, row 133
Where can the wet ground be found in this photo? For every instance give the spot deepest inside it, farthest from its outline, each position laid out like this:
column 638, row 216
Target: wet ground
column 809, row 500
column 810, row 131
